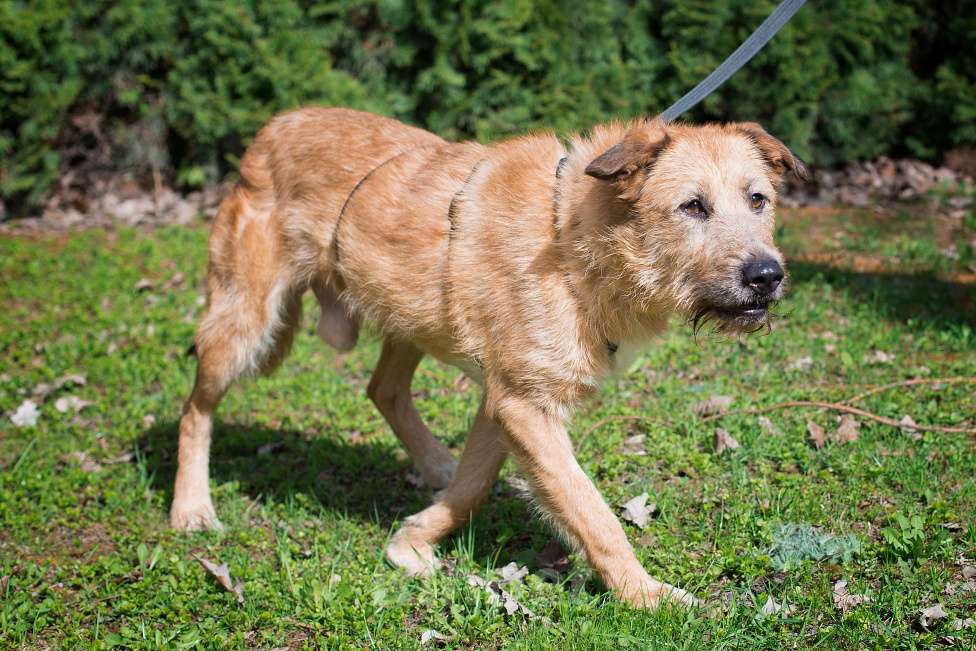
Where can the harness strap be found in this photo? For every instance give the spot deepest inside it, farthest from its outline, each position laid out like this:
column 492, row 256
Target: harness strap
column 342, row 212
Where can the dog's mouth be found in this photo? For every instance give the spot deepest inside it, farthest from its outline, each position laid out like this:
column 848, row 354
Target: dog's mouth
column 743, row 317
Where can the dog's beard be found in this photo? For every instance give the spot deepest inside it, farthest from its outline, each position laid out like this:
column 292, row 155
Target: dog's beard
column 732, row 317
column 725, row 321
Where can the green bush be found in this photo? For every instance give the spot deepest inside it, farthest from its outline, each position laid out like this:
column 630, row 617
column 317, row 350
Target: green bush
column 181, row 87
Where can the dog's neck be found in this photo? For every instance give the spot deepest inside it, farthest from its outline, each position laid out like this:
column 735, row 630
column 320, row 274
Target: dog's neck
column 590, row 223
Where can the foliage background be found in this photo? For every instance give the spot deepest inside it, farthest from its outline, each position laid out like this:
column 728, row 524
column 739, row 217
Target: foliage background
column 181, row 87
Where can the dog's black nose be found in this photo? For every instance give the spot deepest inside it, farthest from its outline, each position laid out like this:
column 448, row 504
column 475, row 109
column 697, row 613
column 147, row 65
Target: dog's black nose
column 763, row 276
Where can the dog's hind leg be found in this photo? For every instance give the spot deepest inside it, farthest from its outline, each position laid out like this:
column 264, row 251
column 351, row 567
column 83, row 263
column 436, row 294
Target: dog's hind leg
column 412, row 548
column 252, row 313
column 389, row 389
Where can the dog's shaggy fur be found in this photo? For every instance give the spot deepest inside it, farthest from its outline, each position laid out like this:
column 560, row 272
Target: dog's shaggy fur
column 531, row 266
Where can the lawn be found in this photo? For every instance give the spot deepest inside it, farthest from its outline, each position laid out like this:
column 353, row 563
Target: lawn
column 310, row 482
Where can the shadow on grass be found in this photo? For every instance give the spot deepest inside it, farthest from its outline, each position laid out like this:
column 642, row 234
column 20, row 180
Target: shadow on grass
column 364, row 481
column 921, row 297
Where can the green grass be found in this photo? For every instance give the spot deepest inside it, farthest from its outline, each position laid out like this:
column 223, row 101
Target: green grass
column 87, row 559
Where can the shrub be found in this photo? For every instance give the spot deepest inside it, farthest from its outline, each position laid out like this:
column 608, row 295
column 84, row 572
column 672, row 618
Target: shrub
column 182, row 87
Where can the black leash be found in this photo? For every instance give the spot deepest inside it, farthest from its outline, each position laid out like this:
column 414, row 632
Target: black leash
column 780, row 16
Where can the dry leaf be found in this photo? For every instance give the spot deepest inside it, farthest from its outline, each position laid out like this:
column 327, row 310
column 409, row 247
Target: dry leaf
column 500, row 597
column 932, row 614
column 512, row 572
column 87, row 463
column 71, row 403
column 43, row 390
column 878, row 357
column 768, row 426
column 222, row 574
column 144, row 285
column 175, row 281
column 714, row 405
column 723, row 441
column 959, row 624
column 847, row 431
column 26, row 414
column 771, row 608
column 637, row 510
column 844, row 600
column 271, row 448
column 431, row 636
column 817, row 436
column 800, row 364
column 634, row 445
column 968, row 572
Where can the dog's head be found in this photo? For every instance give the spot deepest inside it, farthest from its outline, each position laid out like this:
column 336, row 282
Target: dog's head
column 694, row 217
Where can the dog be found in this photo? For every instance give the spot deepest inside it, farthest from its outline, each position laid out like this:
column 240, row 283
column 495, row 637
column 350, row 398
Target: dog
column 531, row 265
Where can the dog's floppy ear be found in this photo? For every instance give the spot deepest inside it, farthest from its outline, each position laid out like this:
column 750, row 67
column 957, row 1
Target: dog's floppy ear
column 638, row 149
column 778, row 155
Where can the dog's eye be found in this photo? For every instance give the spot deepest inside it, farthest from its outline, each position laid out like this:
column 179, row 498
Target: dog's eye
column 757, row 201
column 695, row 208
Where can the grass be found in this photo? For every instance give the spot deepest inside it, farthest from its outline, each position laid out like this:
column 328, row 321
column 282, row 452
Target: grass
column 310, row 482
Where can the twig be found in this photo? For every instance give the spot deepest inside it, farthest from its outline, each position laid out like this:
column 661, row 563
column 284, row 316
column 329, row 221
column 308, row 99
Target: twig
column 843, row 406
column 836, row 406
column 909, row 383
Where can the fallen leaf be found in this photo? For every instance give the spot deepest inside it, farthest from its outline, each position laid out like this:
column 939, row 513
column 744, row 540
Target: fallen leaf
column 932, row 614
column 847, row 431
column 723, row 441
column 771, row 608
column 271, row 448
column 878, row 357
column 148, row 420
column 844, row 601
column 26, row 414
column 959, row 624
column 500, row 597
column 174, row 281
column 634, row 445
column 800, row 364
column 87, row 463
column 968, row 572
column 222, row 574
column 714, row 405
column 44, row 389
column 513, row 573
column 637, row 510
column 430, row 635
column 71, row 403
column 144, row 284
column 817, row 436
column 768, row 426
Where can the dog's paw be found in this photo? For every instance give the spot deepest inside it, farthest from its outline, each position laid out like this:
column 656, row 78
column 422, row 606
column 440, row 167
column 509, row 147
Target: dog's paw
column 194, row 517
column 411, row 553
column 651, row 594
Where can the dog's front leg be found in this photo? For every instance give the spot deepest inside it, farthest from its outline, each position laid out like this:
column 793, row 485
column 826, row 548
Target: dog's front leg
column 542, row 448
column 412, row 548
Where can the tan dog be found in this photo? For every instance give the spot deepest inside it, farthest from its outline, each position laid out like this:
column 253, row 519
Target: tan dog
column 530, row 266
